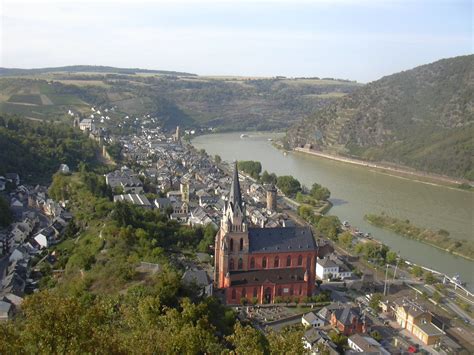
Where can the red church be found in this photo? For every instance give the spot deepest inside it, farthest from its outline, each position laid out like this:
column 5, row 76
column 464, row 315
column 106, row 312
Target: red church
column 261, row 263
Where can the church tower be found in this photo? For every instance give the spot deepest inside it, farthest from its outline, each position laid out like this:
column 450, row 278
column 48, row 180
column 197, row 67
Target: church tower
column 232, row 242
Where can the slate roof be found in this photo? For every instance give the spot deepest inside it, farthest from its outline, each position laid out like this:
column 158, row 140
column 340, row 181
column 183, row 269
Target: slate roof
column 346, row 314
column 281, row 239
column 276, row 276
column 196, row 276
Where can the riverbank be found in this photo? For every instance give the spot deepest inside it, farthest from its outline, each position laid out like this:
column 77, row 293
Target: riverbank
column 439, row 240
column 404, row 173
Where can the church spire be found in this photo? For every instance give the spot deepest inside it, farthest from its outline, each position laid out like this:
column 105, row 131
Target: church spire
column 235, row 197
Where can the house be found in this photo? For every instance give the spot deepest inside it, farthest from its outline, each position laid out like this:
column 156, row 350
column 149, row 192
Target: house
column 42, row 240
column 124, row 180
column 314, row 340
column 417, row 321
column 312, row 320
column 365, row 344
column 135, row 199
column 200, row 279
column 86, row 124
column 347, row 320
column 331, row 267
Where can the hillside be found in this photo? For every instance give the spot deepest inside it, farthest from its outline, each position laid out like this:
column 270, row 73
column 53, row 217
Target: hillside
column 421, row 118
column 226, row 103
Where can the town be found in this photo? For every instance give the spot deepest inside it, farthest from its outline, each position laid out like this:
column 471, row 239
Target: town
column 267, row 262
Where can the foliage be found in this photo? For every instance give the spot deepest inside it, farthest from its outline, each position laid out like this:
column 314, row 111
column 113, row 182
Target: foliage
column 319, row 192
column 5, row 213
column 217, row 159
column 417, row 271
column 373, row 252
column 374, row 302
column 429, row 278
column 376, row 335
column 329, row 226
column 247, row 340
column 345, row 239
column 288, row 185
column 35, row 150
column 438, row 239
column 253, row 168
column 267, row 178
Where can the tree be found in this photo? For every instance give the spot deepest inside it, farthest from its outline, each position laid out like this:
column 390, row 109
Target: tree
column 305, row 212
column 253, row 168
column 287, row 341
column 267, row 178
column 247, row 340
column 391, row 257
column 345, row 239
column 429, row 278
column 319, row 192
column 319, row 282
column 437, row 297
column 328, row 225
column 288, row 185
column 217, row 159
column 417, row 271
column 376, row 335
column 374, row 302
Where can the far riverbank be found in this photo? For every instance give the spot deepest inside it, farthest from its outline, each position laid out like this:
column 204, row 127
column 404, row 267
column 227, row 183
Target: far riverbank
column 404, row 173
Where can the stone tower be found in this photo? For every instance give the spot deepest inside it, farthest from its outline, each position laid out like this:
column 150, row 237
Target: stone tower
column 232, row 238
column 271, row 198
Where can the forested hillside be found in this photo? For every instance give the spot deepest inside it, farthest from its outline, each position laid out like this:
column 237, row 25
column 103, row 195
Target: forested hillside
column 35, row 150
column 225, row 103
column 422, row 118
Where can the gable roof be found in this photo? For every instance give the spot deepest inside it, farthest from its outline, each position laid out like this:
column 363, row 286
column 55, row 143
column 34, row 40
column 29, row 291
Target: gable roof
column 281, row 239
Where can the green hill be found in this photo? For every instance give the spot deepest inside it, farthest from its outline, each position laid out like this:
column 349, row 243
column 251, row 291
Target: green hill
column 421, row 118
column 226, row 103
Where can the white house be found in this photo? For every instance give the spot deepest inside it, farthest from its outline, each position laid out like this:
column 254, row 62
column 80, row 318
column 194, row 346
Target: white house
column 366, row 344
column 327, row 267
column 312, row 320
column 42, row 240
column 87, row 124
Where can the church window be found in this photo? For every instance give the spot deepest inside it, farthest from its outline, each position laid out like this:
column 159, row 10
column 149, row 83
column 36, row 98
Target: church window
column 288, row 260
column 264, row 262
column 301, row 290
column 279, row 291
column 255, row 292
column 231, row 245
column 241, row 247
column 291, row 291
column 300, row 260
column 233, row 294
column 308, row 263
column 240, row 264
column 244, row 292
column 276, row 263
column 231, row 264
column 252, row 262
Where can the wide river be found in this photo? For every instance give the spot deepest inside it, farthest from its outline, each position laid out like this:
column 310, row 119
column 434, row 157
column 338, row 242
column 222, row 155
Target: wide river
column 356, row 191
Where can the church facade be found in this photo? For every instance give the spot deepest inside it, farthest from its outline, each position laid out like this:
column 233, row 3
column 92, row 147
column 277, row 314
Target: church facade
column 261, row 263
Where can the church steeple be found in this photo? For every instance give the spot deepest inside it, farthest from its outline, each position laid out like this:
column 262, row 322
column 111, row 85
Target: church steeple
column 235, row 196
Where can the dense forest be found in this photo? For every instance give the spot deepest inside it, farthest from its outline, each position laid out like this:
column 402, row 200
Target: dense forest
column 422, row 118
column 35, row 150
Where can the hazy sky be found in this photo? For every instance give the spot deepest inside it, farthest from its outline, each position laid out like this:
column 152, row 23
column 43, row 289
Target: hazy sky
column 360, row 40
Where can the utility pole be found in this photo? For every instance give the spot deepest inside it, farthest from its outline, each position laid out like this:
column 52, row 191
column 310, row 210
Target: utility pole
column 385, row 284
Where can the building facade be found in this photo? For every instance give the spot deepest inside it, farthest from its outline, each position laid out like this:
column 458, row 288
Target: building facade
column 261, row 264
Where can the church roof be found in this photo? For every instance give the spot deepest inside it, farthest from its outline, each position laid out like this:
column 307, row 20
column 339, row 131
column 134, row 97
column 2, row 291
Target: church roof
column 235, row 197
column 281, row 239
column 276, row 276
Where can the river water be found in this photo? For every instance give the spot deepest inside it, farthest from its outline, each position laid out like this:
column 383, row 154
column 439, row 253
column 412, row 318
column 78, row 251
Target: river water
column 356, row 191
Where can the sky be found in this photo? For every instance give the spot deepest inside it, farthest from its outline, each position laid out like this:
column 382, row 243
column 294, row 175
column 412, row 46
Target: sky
column 359, row 40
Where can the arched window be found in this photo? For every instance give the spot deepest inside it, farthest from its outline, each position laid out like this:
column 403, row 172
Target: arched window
column 244, row 292
column 255, row 292
column 233, row 294
column 241, row 246
column 231, row 264
column 276, row 263
column 240, row 264
column 300, row 260
column 252, row 262
column 288, row 260
column 301, row 290
column 231, row 245
column 264, row 262
column 308, row 263
column 291, row 291
column 279, row 291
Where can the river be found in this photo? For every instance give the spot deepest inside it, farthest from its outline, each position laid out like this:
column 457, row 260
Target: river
column 356, row 191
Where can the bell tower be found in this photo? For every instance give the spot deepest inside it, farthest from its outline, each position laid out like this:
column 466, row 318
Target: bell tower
column 232, row 242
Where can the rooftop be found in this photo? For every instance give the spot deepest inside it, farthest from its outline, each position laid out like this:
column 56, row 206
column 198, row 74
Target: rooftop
column 281, row 239
column 275, row 276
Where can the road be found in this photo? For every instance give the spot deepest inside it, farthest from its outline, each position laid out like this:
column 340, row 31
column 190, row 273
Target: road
column 451, row 305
